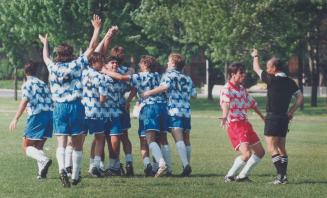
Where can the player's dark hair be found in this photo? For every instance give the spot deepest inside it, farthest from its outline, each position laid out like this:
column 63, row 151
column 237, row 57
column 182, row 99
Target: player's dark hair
column 150, row 62
column 178, row 60
column 119, row 52
column 278, row 63
column 64, row 53
column 30, row 68
column 111, row 58
column 234, row 68
column 97, row 58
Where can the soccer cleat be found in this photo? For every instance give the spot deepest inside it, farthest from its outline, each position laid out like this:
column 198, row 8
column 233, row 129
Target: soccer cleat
column 112, row 172
column 96, row 172
column 45, row 169
column 129, row 169
column 169, row 174
column 229, row 179
column 243, row 179
column 148, row 171
column 161, row 171
column 64, row 179
column 280, row 180
column 186, row 171
column 69, row 171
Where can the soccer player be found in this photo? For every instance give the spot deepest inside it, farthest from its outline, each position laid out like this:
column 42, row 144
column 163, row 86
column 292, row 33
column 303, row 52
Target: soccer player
column 179, row 89
column 153, row 113
column 113, row 128
column 68, row 115
column 280, row 91
column 119, row 52
column 235, row 102
column 36, row 98
column 94, row 97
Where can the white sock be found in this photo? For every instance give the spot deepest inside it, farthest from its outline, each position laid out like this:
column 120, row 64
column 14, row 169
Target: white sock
column 181, row 149
column 146, row 161
column 77, row 162
column 60, row 154
column 97, row 160
column 156, row 152
column 68, row 156
column 39, row 166
column 91, row 164
column 250, row 164
column 129, row 158
column 189, row 152
column 102, row 165
column 34, row 153
column 165, row 149
column 238, row 163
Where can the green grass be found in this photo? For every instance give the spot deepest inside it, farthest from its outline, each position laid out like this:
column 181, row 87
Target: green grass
column 211, row 158
column 9, row 84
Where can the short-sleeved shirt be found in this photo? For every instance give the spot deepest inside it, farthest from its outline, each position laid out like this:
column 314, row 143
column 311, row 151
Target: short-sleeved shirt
column 94, row 86
column 38, row 95
column 180, row 90
column 111, row 106
column 280, row 91
column 145, row 81
column 65, row 79
column 239, row 101
column 124, row 86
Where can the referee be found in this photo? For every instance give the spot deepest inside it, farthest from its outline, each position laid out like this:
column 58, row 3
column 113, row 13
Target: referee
column 280, row 91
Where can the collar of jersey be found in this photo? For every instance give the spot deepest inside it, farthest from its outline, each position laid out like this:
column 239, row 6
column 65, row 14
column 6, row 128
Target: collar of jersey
column 280, row 74
column 234, row 86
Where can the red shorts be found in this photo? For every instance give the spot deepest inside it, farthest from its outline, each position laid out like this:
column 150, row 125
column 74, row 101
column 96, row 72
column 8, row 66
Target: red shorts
column 242, row 132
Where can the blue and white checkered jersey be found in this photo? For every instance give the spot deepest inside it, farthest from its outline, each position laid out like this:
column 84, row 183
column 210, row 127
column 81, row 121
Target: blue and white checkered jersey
column 38, row 95
column 124, row 86
column 144, row 81
column 65, row 79
column 94, row 86
column 111, row 106
column 180, row 90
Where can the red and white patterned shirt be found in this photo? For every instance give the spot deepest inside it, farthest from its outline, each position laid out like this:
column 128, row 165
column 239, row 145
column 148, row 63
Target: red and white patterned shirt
column 239, row 101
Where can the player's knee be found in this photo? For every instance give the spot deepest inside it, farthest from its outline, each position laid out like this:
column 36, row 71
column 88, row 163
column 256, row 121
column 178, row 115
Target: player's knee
column 246, row 155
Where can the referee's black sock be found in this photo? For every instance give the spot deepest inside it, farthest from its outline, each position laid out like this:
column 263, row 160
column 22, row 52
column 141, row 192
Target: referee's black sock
column 276, row 159
column 284, row 162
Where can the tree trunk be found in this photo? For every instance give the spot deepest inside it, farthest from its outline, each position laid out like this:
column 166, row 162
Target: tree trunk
column 313, row 62
column 210, row 81
column 300, row 75
column 15, row 82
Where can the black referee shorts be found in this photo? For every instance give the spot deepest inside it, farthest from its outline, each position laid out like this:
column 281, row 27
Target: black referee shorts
column 276, row 125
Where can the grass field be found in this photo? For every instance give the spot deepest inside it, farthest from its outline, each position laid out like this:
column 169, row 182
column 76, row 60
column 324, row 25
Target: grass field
column 211, row 158
column 9, row 84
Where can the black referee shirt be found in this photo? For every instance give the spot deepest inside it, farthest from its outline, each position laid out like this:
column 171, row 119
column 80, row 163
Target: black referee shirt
column 280, row 91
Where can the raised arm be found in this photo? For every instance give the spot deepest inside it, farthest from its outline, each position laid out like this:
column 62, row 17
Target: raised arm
column 107, row 38
column 157, row 90
column 107, row 42
column 19, row 112
column 96, row 23
column 44, row 40
column 298, row 102
column 115, row 75
column 256, row 65
column 131, row 95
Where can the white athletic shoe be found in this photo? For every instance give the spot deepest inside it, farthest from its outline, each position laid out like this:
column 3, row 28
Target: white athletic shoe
column 161, row 171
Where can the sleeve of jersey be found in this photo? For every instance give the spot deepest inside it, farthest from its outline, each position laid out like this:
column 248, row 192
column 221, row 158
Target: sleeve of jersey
column 81, row 61
column 26, row 92
column 165, row 80
column 252, row 103
column 134, row 80
column 224, row 96
column 265, row 77
column 50, row 65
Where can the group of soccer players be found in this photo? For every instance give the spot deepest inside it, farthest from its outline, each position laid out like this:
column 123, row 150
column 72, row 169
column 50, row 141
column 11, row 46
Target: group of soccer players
column 87, row 97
